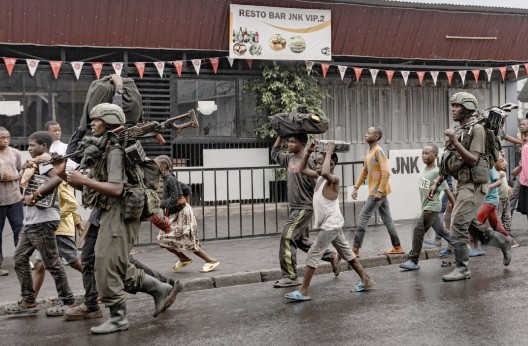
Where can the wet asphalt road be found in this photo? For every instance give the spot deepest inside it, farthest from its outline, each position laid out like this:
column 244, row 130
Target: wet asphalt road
column 405, row 308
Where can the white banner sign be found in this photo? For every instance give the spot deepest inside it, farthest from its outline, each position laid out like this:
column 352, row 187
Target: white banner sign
column 275, row 33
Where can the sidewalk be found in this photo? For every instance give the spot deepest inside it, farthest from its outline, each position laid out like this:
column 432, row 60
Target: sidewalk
column 242, row 261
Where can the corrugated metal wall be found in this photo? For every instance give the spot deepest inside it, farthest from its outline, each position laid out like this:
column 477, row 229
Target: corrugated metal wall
column 410, row 116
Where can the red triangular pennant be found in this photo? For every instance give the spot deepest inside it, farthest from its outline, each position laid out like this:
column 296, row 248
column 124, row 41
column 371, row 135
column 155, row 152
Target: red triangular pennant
column 526, row 67
column 357, row 72
column 390, row 74
column 178, row 64
column 324, row 68
column 214, row 63
column 421, row 75
column 449, row 75
column 10, row 63
column 55, row 66
column 502, row 70
column 476, row 74
column 98, row 67
column 249, row 63
column 141, row 68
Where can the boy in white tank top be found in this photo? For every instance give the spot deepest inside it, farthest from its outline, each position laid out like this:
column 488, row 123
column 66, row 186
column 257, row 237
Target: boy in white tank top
column 328, row 219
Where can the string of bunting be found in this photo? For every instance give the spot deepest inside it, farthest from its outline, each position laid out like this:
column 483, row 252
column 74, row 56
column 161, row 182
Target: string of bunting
column 214, row 61
column 421, row 74
column 118, row 66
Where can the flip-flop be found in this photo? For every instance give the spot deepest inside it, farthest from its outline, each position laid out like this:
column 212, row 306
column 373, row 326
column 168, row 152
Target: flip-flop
column 209, row 267
column 297, row 296
column 362, row 288
column 179, row 265
column 286, row 283
column 475, row 253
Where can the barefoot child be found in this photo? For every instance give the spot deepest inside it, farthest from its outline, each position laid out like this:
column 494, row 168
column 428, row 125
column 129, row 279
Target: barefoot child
column 328, row 219
column 430, row 206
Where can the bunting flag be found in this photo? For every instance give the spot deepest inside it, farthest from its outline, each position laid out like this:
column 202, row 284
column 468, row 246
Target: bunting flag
column 421, row 75
column 449, row 75
column 141, row 68
column 502, row 70
column 516, row 70
column 77, row 67
column 390, row 74
column 357, row 72
column 55, row 67
column 476, row 74
column 231, row 61
column 463, row 76
column 489, row 71
column 10, row 63
column 325, row 68
column 197, row 63
column 309, row 65
column 434, row 74
column 98, row 67
column 118, row 67
column 374, row 74
column 526, row 67
column 405, row 75
column 342, row 71
column 249, row 63
column 32, row 66
column 214, row 64
column 178, row 64
column 160, row 66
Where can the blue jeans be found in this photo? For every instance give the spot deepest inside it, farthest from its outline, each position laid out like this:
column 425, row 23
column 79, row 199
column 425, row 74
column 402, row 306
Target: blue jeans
column 15, row 214
column 41, row 236
column 370, row 208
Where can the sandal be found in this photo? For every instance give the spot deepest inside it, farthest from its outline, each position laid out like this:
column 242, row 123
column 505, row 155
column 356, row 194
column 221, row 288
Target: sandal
column 208, row 267
column 23, row 308
column 362, row 287
column 286, row 282
column 179, row 265
column 297, row 296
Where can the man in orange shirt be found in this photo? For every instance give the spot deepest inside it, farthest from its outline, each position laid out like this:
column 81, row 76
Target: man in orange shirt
column 376, row 168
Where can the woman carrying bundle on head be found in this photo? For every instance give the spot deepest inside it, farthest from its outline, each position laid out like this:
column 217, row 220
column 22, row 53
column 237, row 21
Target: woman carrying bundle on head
column 183, row 233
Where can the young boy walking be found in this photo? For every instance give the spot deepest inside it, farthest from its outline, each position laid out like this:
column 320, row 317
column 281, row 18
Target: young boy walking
column 300, row 194
column 40, row 225
column 431, row 207
column 376, row 168
column 328, row 219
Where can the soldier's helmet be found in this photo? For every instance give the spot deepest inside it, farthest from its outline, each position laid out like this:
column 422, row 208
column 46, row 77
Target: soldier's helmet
column 109, row 113
column 467, row 100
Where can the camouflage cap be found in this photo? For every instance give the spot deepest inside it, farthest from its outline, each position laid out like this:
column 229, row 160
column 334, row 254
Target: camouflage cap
column 109, row 113
column 467, row 100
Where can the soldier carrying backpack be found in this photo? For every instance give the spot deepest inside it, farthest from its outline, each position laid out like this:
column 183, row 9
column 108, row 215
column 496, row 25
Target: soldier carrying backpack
column 468, row 156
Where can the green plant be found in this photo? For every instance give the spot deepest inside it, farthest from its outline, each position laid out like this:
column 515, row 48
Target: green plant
column 281, row 88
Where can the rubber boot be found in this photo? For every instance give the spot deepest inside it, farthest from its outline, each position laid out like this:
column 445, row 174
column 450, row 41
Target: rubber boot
column 500, row 241
column 461, row 271
column 117, row 321
column 163, row 294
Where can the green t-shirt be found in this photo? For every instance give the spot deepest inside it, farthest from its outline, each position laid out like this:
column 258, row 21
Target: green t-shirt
column 426, row 180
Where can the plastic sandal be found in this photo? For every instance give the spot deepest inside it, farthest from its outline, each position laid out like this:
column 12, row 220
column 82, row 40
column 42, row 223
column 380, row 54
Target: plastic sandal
column 179, row 265
column 209, row 267
column 409, row 265
column 297, row 296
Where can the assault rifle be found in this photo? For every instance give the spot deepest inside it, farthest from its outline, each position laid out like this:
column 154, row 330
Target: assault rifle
column 92, row 147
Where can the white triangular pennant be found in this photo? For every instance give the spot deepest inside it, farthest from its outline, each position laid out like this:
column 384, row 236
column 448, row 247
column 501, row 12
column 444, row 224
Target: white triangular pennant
column 489, row 71
column 231, row 61
column 32, row 65
column 405, row 75
column 515, row 69
column 374, row 74
column 160, row 66
column 197, row 63
column 118, row 67
column 342, row 70
column 309, row 65
column 463, row 76
column 77, row 67
column 434, row 74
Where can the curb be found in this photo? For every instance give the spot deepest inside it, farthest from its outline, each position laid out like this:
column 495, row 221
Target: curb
column 253, row 277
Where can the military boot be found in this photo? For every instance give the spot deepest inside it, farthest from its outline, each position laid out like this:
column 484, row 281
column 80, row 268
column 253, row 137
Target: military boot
column 117, row 321
column 461, row 271
column 163, row 294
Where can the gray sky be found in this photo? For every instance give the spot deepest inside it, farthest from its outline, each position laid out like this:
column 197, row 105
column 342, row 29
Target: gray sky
column 492, row 3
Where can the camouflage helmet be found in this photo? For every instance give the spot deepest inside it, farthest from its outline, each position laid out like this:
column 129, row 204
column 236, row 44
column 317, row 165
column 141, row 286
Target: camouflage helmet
column 109, row 113
column 466, row 100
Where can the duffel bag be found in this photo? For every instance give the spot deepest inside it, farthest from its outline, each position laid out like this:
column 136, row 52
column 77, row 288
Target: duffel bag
column 295, row 122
